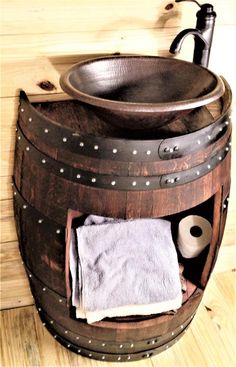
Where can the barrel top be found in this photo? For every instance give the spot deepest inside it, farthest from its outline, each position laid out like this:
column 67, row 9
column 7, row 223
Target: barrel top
column 71, row 114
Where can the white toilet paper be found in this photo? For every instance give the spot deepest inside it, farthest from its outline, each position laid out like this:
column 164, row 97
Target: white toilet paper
column 194, row 234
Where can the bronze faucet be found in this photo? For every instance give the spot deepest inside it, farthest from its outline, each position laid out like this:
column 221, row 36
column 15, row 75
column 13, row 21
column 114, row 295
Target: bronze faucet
column 203, row 34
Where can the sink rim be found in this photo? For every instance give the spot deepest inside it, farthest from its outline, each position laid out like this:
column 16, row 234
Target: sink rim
column 137, row 107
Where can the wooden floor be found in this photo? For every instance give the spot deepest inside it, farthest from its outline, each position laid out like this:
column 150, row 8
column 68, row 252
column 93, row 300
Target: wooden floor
column 210, row 341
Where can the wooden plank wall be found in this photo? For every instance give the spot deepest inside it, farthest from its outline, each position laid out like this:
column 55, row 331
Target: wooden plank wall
column 41, row 39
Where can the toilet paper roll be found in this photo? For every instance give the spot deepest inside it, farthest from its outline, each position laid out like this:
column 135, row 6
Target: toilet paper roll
column 194, row 234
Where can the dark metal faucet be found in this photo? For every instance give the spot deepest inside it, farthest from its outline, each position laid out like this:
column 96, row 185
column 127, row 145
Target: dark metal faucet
column 203, row 34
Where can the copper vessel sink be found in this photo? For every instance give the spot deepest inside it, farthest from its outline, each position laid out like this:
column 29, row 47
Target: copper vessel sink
column 141, row 92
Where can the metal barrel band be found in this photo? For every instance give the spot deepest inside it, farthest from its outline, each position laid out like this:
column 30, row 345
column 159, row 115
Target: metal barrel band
column 118, row 149
column 112, row 182
column 118, row 357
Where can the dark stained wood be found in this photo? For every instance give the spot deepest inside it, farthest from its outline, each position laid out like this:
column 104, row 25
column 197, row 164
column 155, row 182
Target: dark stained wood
column 53, row 204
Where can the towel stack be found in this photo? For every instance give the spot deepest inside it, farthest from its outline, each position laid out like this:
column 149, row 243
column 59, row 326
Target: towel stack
column 122, row 268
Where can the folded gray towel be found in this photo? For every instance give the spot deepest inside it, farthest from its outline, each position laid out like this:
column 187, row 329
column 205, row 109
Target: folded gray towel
column 125, row 263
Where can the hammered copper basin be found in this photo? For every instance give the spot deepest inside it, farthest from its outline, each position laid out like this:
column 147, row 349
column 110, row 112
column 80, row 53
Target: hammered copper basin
column 138, row 92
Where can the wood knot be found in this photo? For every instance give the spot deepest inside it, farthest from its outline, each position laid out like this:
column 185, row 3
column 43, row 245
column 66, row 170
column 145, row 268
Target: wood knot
column 169, row 6
column 46, row 85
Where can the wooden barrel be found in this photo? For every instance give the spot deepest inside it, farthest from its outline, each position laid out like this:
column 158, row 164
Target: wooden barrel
column 69, row 164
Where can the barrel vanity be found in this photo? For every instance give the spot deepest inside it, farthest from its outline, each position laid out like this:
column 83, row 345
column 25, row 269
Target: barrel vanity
column 71, row 162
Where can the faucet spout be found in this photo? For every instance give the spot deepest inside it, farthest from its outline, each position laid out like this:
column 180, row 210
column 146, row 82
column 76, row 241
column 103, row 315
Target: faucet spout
column 176, row 45
column 203, row 34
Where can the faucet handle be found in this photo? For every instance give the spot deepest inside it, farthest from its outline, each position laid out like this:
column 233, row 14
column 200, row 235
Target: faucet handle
column 193, row 1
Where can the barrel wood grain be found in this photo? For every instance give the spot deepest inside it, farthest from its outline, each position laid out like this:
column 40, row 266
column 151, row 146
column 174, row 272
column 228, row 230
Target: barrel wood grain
column 32, row 54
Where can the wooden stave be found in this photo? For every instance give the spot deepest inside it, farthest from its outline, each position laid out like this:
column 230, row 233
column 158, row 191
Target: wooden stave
column 131, row 165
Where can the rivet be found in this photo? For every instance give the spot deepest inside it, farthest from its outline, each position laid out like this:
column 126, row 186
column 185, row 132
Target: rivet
column 182, row 326
column 103, row 344
column 44, row 324
column 55, row 336
column 148, row 152
column 16, row 129
column 46, row 131
column 171, row 150
column 90, row 341
column 177, row 179
column 131, row 345
column 227, row 199
column 77, row 338
column 64, row 140
column 208, row 166
column 119, row 358
column 22, row 262
column 79, row 350
column 172, row 333
column 230, row 143
column 227, row 149
column 226, row 122
column 78, row 176
column 134, row 183
column 121, row 345
column 220, row 158
column 176, row 148
column 15, row 193
column 209, row 137
column 167, row 346
column 166, row 149
column 40, row 221
column 114, row 150
column 93, row 179
column 199, row 142
column 68, row 345
column 172, row 180
column 27, row 148
column 30, row 119
column 66, row 331
column 61, row 170
column 81, row 144
column 60, row 300
column 224, row 206
column 220, row 129
column 147, row 183
column 128, row 357
column 167, row 180
column 134, row 152
column 51, row 322
column 103, row 357
column 44, row 289
column 147, row 355
column 30, row 275
column 19, row 137
column 43, row 161
column 113, row 183
column 90, row 354
column 95, row 147
column 58, row 231
column 24, row 206
column 22, row 109
column 39, row 309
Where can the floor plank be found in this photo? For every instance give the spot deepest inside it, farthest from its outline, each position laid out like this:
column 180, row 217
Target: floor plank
column 209, row 342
